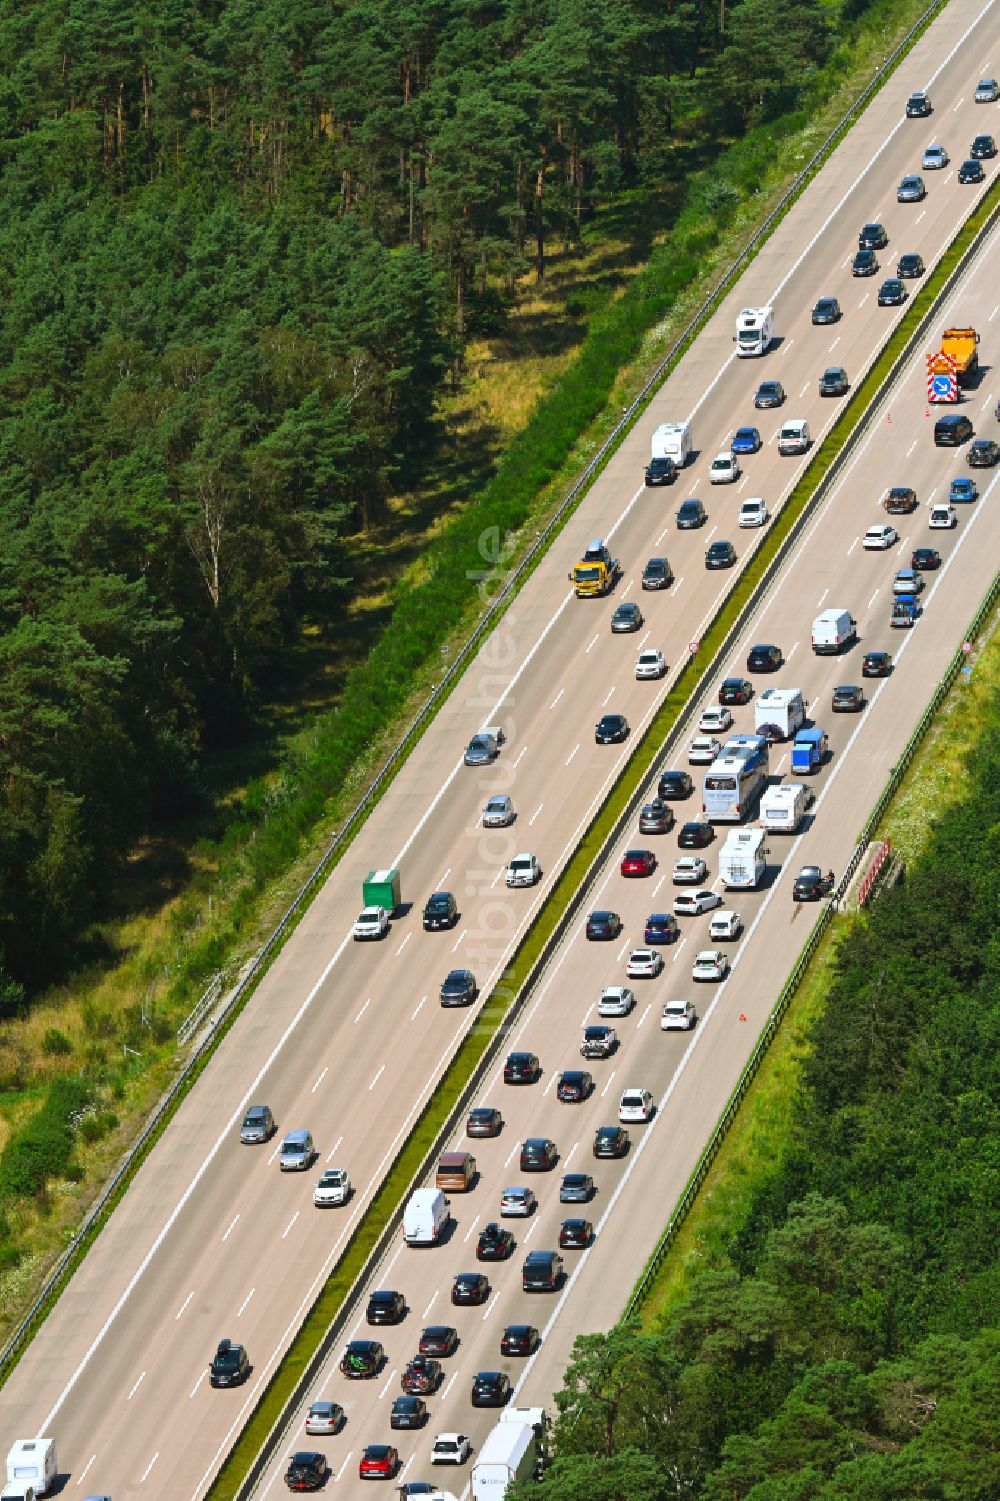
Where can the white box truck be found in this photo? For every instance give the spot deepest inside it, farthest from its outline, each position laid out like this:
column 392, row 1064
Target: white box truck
column 425, row 1217
column 31, row 1466
column 672, row 440
column 782, row 707
column 832, row 631
column 743, row 859
column 510, row 1455
column 754, row 331
column 783, row 808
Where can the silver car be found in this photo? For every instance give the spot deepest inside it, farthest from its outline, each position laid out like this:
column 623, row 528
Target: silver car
column 324, row 1417
column 911, row 190
column 517, row 1203
column 482, row 750
column 297, row 1152
column 987, row 91
column 258, row 1126
column 934, row 158
column 499, row 812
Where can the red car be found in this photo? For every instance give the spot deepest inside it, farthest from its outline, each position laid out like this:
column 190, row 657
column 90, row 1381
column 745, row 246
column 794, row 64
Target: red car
column 638, row 863
column 378, row 1462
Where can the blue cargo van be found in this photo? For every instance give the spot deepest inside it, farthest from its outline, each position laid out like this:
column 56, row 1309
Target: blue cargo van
column 809, row 750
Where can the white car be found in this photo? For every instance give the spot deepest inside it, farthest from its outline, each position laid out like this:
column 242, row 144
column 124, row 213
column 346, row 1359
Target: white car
column 878, row 538
column 523, row 870
column 794, row 437
column 678, row 1016
column 636, row 1105
column 710, row 964
column 689, row 870
column 644, row 964
column 908, row 581
column 650, row 664
column 694, row 903
column 753, row 512
column 334, row 1187
column 987, row 91
column 942, row 518
column 703, row 750
column 716, row 718
column 616, row 1000
column 372, row 923
column 499, row 812
column 725, row 469
column 725, row 925
column 450, row 1449
column 517, row 1203
column 934, row 157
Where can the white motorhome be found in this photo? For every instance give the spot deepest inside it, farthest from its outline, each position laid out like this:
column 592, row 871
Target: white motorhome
column 783, row 808
column 754, row 331
column 832, row 631
column 31, row 1465
column 780, row 706
column 425, row 1217
column 743, row 859
column 672, row 440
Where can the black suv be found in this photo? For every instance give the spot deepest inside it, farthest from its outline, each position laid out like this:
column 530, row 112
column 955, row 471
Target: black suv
column 306, row 1470
column 764, row 658
column 470, row 1288
column 811, row 884
column 848, row 699
column 440, row 911
column 827, row 310
column 656, row 818
column 735, row 691
column 495, row 1243
column 910, row 265
column 691, row 513
column 983, row 454
column 408, row 1412
column 873, row 237
column 720, row 555
column 770, row 393
column 865, row 263
column 611, row 1141
column 230, row 1366
column 575, row 1084
column 833, row 381
column 675, row 784
column 603, row 925
column 362, row 1359
column 611, row 729
column 983, row 147
column 538, row 1154
column 542, row 1271
column 952, row 431
column 657, row 574
column 385, row 1308
column 917, row 106
column 521, row 1068
column 971, row 171
column 892, row 293
column 458, row 988
column 519, row 1339
column 661, row 472
column 490, row 1389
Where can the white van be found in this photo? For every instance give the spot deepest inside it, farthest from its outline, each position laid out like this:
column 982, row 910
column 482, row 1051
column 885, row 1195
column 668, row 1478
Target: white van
column 672, row 440
column 31, row 1465
column 426, row 1214
column 832, row 631
column 794, row 437
column 783, row 808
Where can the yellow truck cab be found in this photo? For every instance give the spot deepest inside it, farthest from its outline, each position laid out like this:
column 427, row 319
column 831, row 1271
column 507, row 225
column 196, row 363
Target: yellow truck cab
column 596, row 572
column 961, row 344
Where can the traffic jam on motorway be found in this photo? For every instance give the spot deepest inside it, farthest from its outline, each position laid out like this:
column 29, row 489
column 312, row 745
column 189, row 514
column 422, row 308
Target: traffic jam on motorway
column 707, row 842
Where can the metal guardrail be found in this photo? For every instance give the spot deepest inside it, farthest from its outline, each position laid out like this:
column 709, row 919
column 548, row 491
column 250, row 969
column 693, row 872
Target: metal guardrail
column 200, row 1010
column 795, row 979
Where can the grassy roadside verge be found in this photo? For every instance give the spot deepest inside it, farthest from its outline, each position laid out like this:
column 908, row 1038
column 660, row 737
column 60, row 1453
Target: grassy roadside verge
column 289, row 809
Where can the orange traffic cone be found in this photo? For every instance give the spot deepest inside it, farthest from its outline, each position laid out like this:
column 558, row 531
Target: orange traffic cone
column 743, row 1016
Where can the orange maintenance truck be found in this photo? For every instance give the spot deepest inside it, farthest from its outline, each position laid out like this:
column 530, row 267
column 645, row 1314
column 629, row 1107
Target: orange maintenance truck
column 961, row 344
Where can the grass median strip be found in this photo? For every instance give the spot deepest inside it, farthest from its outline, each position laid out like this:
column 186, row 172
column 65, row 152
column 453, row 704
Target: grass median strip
column 471, row 1051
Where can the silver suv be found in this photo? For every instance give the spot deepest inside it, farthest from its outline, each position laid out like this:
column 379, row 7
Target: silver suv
column 297, row 1152
column 258, row 1126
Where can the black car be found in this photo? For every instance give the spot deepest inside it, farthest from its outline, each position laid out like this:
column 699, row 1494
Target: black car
column 458, row 988
column 865, row 263
column 827, row 310
column 833, row 381
column 971, row 171
column 910, row 265
column 306, row 1470
column 542, row 1272
column 900, row 500
column 770, row 393
column 661, row 927
column 603, row 925
column 611, row 1141
column 521, row 1068
column 735, row 691
column 538, row 1154
column 656, row 817
column 490, row 1389
column 485, row 1120
column 575, row 1084
column 438, row 1339
column 892, row 293
column 230, row 1364
column 362, row 1359
column 385, row 1308
column 575, row 1235
column 495, row 1243
column 983, row 147
column 611, row 729
column 599, row 1041
column 626, row 618
column 519, row 1339
column 811, row 885
column 421, row 1376
column 695, row 835
column 408, row 1412
column 661, row 472
column 691, row 513
column 675, row 784
column 440, row 911
column 925, row 559
column 876, row 664
column 983, row 454
column 470, row 1288
column 873, row 237
column 720, row 555
column 576, row 1188
column 952, row 431
column 657, row 574
column 848, row 699
column 917, row 106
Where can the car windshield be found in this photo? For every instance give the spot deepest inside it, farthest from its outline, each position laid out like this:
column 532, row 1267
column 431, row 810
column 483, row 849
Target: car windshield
column 227, row 1360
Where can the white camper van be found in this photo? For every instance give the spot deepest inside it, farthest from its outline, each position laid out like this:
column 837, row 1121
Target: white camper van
column 754, row 331
column 743, row 859
column 426, row 1214
column 31, row 1466
column 782, row 707
column 672, row 440
column 783, row 808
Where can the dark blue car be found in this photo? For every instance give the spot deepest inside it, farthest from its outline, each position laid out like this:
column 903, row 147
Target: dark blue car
column 661, row 927
column 745, row 440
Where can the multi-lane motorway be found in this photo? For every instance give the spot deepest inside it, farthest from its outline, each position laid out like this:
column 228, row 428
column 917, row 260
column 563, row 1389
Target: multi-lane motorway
column 347, row 1040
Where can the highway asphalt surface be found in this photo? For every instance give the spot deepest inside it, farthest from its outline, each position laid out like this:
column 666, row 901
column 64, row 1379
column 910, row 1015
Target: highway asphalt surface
column 349, row 1039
